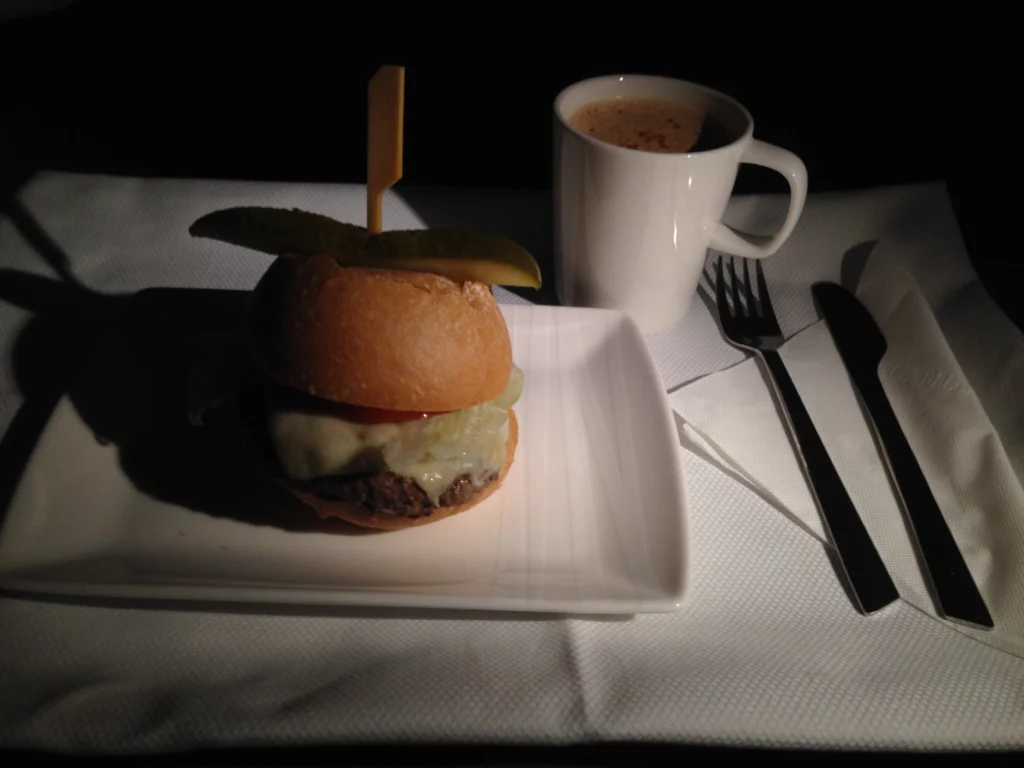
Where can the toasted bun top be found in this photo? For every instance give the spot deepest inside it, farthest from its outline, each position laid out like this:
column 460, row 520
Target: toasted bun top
column 379, row 338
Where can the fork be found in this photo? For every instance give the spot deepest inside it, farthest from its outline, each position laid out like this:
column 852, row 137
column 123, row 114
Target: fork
column 752, row 325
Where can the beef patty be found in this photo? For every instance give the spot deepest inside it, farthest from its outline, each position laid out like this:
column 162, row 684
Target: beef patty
column 376, row 491
column 390, row 493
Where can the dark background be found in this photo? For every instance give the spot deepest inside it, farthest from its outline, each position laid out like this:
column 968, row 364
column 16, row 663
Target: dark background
column 278, row 91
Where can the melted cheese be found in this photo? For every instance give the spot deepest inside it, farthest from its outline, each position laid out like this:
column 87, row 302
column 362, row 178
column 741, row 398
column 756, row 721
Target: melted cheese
column 432, row 452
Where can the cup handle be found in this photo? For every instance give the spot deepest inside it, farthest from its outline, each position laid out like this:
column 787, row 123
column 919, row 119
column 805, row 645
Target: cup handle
column 730, row 241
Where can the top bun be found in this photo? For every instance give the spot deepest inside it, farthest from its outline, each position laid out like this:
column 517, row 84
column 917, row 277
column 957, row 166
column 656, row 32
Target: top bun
column 379, row 338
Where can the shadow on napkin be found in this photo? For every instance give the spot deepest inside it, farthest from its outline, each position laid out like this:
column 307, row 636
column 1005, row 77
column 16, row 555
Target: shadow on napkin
column 73, row 320
column 125, row 361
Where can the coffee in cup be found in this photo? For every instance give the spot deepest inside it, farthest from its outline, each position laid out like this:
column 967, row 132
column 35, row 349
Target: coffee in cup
column 644, row 168
column 649, row 125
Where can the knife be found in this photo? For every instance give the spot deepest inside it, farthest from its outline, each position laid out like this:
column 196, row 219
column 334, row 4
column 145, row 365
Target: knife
column 862, row 345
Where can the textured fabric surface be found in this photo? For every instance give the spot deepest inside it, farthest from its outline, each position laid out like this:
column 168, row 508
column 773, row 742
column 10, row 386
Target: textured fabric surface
column 765, row 651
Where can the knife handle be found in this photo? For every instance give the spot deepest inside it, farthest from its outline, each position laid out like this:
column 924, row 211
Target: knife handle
column 865, row 572
column 955, row 591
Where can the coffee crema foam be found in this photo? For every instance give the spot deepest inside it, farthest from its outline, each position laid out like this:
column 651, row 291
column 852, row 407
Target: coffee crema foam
column 646, row 124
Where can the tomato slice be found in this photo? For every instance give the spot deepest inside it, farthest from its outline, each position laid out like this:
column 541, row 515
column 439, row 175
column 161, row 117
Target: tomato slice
column 364, row 415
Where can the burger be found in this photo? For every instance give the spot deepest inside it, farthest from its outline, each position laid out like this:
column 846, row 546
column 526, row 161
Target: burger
column 380, row 396
column 388, row 393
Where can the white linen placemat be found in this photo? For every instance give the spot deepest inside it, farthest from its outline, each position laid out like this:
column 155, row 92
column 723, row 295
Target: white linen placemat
column 766, row 650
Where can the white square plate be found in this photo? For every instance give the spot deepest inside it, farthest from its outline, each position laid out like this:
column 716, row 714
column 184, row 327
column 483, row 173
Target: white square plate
column 589, row 520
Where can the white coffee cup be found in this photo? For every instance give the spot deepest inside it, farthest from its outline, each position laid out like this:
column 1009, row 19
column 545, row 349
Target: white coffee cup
column 632, row 228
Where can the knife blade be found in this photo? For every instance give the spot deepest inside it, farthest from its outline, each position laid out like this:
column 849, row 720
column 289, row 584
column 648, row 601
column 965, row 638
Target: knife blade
column 862, row 345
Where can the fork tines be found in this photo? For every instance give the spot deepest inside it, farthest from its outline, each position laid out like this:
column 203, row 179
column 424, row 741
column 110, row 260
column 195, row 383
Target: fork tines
column 759, row 306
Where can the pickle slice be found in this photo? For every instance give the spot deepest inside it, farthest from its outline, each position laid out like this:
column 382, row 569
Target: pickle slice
column 279, row 231
column 456, row 254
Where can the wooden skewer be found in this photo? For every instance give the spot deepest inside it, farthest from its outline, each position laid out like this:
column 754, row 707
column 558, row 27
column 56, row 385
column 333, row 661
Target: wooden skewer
column 384, row 140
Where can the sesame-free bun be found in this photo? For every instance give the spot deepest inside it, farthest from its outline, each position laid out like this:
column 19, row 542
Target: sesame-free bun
column 390, row 522
column 379, row 338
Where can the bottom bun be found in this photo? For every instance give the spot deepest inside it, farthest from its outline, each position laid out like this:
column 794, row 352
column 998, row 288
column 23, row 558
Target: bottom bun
column 382, row 521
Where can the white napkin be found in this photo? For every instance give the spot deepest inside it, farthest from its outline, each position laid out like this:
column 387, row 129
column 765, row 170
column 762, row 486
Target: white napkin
column 731, row 420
